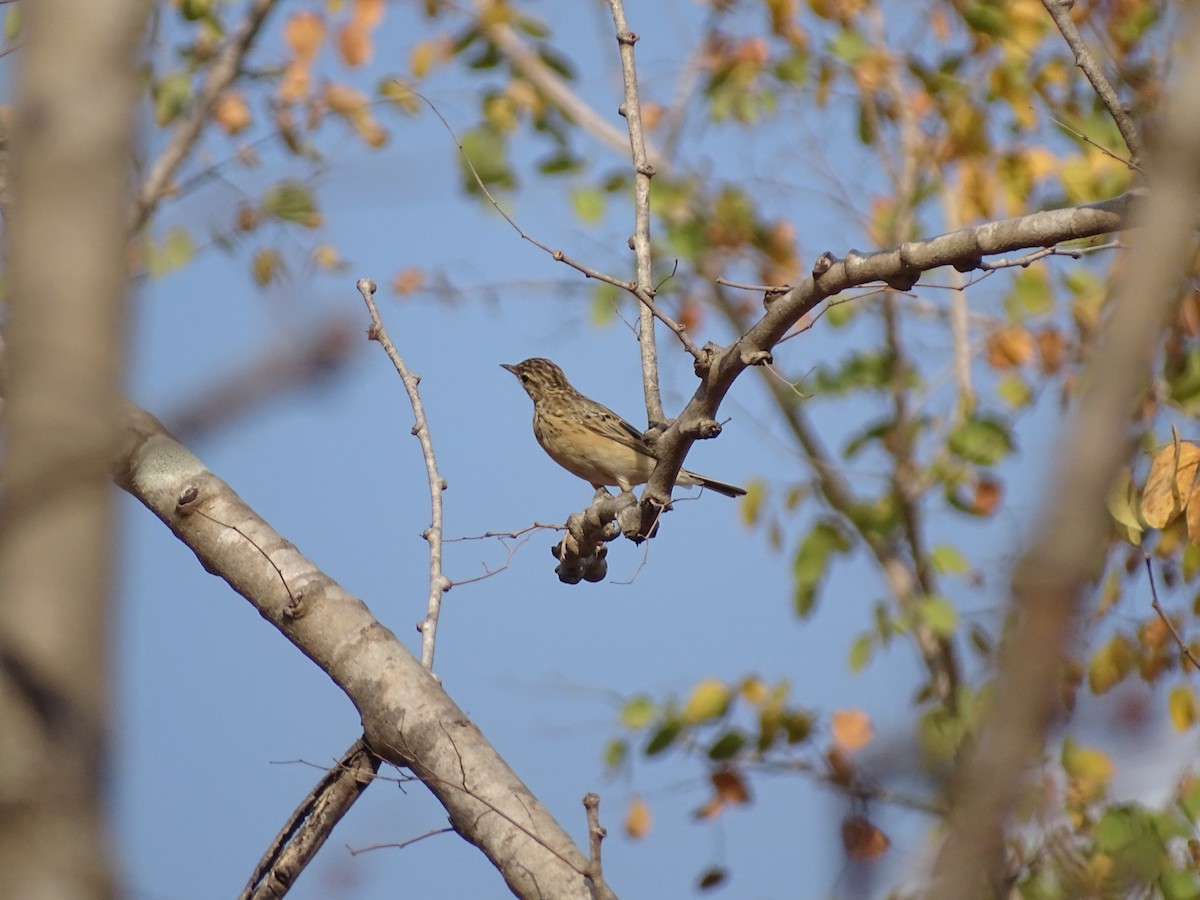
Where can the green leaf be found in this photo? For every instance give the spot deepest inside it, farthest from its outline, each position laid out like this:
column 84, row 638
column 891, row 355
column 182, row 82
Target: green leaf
column 487, row 150
column 171, row 93
column 615, row 754
column 291, row 201
column 983, row 441
column 948, row 560
column 589, row 203
column 939, row 614
column 811, row 561
column 637, row 713
column 1031, row 295
column 605, row 301
column 1129, row 833
column 1014, row 390
column 727, row 746
column 664, row 737
column 860, row 652
column 176, row 250
column 12, row 22
column 849, row 46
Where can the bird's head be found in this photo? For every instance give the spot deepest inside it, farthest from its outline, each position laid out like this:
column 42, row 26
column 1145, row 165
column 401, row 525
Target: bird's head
column 539, row 377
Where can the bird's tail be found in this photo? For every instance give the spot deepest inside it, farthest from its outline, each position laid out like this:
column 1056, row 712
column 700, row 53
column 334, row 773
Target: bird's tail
column 687, row 479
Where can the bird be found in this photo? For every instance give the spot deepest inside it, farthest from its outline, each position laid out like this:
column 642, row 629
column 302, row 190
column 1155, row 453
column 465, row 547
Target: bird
column 590, row 440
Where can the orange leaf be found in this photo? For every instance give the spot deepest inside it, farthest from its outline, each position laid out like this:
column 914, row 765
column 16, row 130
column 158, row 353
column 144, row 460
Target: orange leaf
column 231, row 112
column 408, row 281
column 1169, row 484
column 710, row 810
column 296, row 81
column 851, row 729
column 1052, row 348
column 730, row 787
column 354, row 43
column 343, row 99
column 1008, row 348
column 861, row 839
column 368, row 13
column 638, row 818
column 303, row 34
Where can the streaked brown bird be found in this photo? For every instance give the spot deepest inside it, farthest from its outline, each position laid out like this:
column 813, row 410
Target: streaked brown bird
column 590, row 440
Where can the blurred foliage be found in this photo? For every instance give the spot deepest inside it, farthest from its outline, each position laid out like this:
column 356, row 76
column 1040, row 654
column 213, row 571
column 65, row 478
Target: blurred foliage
column 959, row 111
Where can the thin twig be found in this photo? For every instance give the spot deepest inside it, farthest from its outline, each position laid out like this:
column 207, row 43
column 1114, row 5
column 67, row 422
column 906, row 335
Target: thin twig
column 1060, row 12
column 399, row 845
column 438, row 582
column 224, row 69
column 643, row 171
column 1184, row 649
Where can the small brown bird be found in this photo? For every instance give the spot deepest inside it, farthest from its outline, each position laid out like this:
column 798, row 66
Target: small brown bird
column 590, row 440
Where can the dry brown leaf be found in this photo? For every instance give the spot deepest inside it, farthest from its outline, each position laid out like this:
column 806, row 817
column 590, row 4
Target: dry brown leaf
column 1169, row 484
column 1193, row 514
column 730, row 787
column 368, row 13
column 988, row 494
column 1052, row 348
column 861, row 839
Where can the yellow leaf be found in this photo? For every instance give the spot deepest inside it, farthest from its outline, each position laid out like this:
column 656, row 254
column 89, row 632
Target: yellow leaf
column 1169, row 484
column 1089, row 769
column 754, row 690
column 1110, row 665
column 1182, row 706
column 709, row 700
column 1193, row 514
column 638, row 818
column 851, row 729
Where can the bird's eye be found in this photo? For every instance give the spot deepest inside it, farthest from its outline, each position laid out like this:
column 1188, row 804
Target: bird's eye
column 524, row 378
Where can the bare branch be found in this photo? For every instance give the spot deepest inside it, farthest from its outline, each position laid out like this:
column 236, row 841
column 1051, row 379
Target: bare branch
column 438, row 582
column 643, row 171
column 311, row 824
column 1060, row 12
column 1062, row 562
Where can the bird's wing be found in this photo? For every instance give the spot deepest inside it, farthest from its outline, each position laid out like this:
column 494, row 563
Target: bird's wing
column 607, row 423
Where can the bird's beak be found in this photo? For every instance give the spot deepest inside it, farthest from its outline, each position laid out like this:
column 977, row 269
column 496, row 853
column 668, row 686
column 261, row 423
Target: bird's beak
column 510, row 368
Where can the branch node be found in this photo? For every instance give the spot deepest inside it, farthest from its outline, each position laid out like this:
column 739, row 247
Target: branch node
column 823, row 264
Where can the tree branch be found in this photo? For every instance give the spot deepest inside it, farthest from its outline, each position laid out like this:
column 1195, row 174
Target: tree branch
column 1060, row 12
column 311, row 824
column 643, row 171
column 408, row 720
